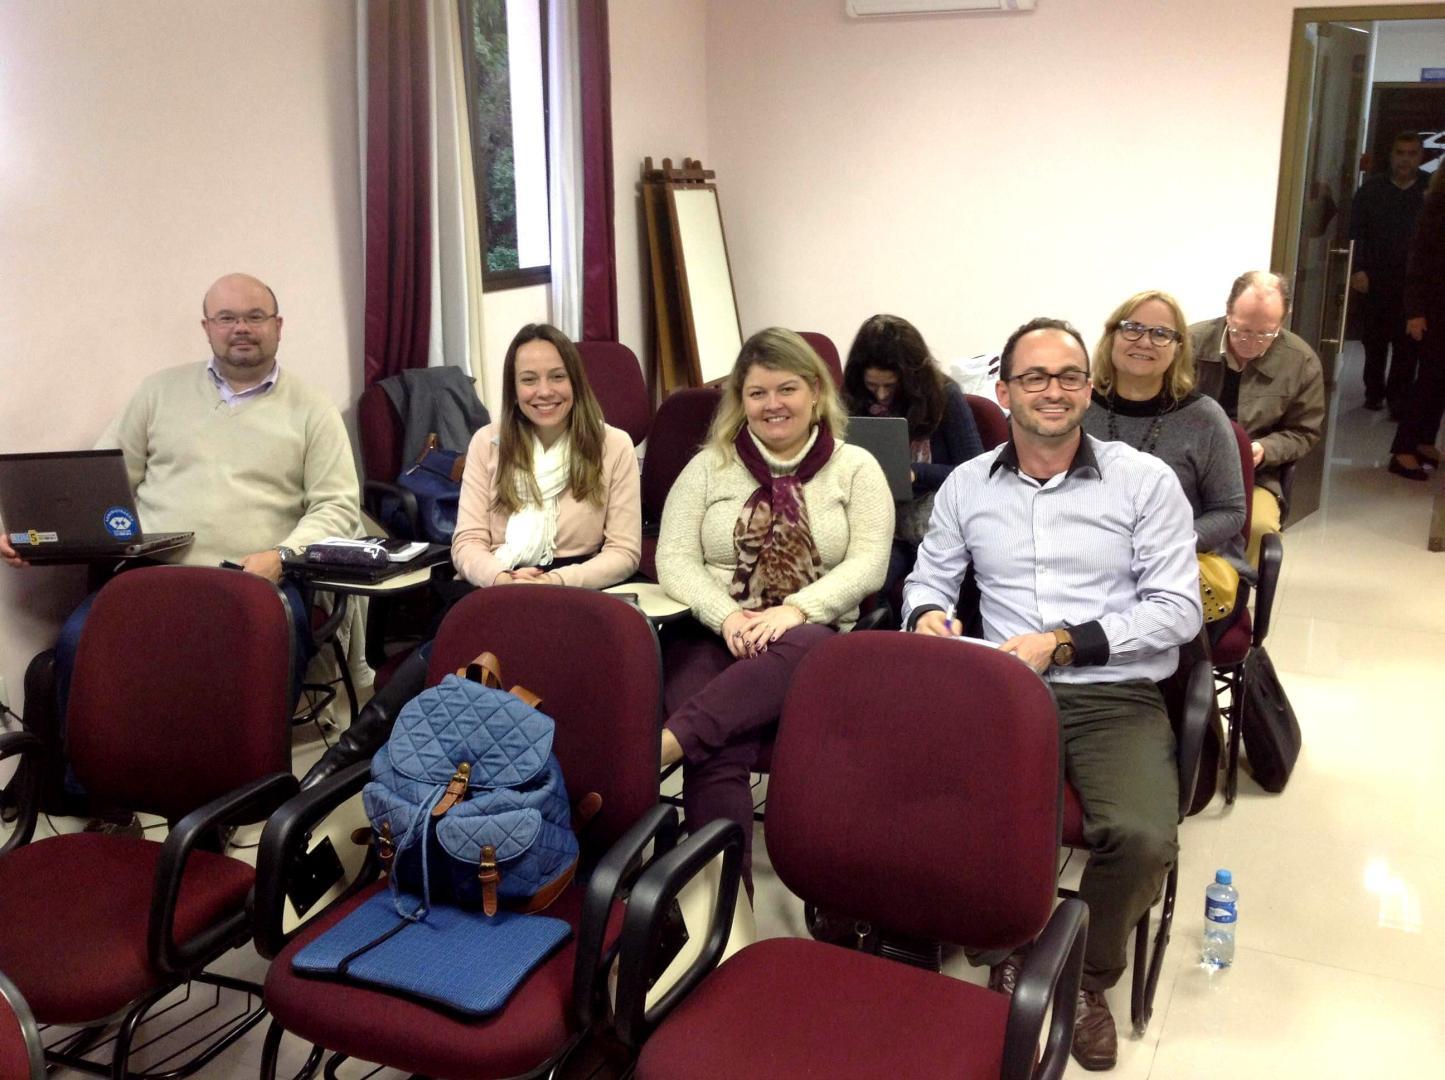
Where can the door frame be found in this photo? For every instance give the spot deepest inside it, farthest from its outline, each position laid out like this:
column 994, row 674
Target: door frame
column 1294, row 148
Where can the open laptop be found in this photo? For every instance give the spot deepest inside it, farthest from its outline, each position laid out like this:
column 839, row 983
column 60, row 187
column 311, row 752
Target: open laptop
column 74, row 506
column 886, row 438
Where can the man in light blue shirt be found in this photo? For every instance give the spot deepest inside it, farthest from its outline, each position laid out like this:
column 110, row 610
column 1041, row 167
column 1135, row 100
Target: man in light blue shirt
column 1084, row 556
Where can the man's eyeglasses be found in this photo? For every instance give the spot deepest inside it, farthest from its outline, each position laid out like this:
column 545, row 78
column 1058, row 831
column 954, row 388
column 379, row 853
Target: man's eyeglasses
column 1034, row 381
column 228, row 319
column 1159, row 335
column 1251, row 337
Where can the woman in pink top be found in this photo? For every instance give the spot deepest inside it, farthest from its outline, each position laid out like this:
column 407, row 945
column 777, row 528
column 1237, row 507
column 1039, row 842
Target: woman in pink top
column 550, row 494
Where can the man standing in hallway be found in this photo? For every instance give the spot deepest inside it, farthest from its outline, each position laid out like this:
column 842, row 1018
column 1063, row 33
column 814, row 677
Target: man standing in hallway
column 1382, row 224
column 1084, row 556
column 1268, row 380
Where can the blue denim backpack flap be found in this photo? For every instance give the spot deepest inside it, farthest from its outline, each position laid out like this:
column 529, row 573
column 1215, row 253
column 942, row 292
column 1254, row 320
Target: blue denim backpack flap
column 469, row 800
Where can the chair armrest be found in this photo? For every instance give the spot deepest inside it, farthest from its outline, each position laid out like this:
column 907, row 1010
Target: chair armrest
column 1050, row 976
column 1199, row 706
column 373, row 491
column 254, row 802
column 651, row 896
column 1271, row 561
column 880, row 618
column 283, row 840
column 30, row 749
column 657, row 827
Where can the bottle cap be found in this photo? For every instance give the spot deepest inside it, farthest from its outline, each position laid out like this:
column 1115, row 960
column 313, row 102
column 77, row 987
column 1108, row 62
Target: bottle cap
column 1223, row 877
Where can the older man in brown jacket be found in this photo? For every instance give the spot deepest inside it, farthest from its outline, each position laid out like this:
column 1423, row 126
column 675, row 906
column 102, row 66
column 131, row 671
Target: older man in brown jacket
column 1266, row 378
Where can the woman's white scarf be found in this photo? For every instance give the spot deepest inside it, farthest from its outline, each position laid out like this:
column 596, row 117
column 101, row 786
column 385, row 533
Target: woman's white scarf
column 531, row 538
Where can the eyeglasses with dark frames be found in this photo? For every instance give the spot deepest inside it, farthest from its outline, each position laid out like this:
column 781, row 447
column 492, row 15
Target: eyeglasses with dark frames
column 1159, row 335
column 1034, row 381
column 229, row 319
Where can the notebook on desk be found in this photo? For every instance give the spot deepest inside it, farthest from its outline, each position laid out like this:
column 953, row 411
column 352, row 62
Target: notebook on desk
column 886, row 438
column 75, row 506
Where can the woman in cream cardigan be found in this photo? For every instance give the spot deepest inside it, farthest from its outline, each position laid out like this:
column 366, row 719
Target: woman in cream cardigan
column 773, row 534
column 550, row 493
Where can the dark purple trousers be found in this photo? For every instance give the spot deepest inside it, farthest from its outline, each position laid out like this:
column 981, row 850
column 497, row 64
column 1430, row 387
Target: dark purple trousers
column 724, row 713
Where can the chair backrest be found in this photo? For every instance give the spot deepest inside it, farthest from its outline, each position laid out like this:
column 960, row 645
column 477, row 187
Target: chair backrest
column 916, row 785
column 379, row 430
column 617, row 381
column 679, row 428
column 1246, row 465
column 990, row 420
column 182, row 688
column 21, row 1053
column 594, row 660
column 828, row 352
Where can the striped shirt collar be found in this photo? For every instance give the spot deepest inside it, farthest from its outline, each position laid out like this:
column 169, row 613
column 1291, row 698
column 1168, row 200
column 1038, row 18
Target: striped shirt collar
column 1084, row 458
column 232, row 397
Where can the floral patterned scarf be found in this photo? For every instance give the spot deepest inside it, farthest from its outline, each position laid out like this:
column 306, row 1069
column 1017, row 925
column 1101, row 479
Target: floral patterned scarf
column 772, row 537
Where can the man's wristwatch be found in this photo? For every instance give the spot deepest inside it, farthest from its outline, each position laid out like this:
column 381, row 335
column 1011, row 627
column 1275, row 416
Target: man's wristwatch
column 285, row 552
column 1064, row 649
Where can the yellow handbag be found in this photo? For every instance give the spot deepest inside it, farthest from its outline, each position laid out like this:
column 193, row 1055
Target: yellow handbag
column 1218, row 586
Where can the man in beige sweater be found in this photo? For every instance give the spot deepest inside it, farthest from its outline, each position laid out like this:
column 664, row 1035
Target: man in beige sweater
column 246, row 456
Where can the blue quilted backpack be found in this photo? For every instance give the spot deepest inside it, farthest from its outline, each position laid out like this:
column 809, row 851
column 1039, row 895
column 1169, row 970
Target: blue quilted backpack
column 467, row 801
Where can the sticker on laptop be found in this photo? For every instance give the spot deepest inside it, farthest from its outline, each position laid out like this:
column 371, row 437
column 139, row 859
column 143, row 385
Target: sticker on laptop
column 120, row 523
column 33, row 538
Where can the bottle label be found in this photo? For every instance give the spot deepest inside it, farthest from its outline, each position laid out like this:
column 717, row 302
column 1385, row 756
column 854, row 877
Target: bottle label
column 1220, row 911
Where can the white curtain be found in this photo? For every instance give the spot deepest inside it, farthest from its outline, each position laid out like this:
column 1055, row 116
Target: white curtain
column 456, row 294
column 564, row 155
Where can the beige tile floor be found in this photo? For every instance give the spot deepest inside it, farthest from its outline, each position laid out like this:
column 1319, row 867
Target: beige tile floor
column 1340, row 969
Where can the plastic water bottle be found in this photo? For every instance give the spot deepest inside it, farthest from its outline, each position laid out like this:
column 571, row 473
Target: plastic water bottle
column 1221, row 911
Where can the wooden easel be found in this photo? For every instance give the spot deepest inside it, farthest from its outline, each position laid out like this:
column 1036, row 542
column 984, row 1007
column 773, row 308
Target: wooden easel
column 694, row 304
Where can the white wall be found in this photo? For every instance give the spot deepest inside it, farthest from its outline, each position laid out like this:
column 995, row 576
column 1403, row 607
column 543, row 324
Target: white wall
column 145, row 149
column 659, row 109
column 968, row 172
column 1403, row 48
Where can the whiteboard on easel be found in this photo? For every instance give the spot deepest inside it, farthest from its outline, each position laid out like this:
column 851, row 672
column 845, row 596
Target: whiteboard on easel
column 710, row 311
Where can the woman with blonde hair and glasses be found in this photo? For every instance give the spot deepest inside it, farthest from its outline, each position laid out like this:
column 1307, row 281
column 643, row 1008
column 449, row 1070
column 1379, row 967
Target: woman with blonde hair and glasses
column 1144, row 396
column 773, row 534
column 550, row 493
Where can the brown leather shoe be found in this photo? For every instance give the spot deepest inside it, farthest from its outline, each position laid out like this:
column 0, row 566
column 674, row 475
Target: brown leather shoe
column 1004, row 977
column 1096, row 1043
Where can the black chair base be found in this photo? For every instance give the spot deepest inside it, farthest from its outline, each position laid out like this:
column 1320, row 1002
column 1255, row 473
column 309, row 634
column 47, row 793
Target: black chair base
column 1231, row 678
column 76, row 1050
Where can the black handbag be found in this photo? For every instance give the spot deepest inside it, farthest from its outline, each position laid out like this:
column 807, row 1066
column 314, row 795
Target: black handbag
column 1268, row 725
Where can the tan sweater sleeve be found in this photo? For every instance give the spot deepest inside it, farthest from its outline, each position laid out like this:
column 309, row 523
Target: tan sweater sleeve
column 870, row 538
column 621, row 524
column 330, row 491
column 681, row 570
column 472, row 542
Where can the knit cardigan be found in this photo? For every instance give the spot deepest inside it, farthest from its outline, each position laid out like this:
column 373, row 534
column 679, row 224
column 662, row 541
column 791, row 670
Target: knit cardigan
column 850, row 511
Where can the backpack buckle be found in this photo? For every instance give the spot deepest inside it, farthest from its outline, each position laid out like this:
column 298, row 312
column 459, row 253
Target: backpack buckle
column 489, row 876
column 456, row 790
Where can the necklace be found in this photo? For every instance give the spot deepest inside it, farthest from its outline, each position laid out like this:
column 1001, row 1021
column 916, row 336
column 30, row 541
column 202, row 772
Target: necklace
column 1151, row 437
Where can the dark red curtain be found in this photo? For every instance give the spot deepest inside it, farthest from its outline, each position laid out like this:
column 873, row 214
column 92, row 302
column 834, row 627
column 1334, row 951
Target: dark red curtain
column 398, row 206
column 599, row 261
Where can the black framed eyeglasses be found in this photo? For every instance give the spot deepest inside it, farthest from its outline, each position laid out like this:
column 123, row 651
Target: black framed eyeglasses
column 1159, row 335
column 1034, row 381
column 229, row 319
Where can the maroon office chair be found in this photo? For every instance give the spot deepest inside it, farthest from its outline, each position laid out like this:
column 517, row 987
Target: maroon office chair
column 678, row 430
column 915, row 785
column 827, row 352
column 603, row 692
column 21, row 1054
column 178, row 707
column 990, row 420
column 1245, row 632
column 616, row 380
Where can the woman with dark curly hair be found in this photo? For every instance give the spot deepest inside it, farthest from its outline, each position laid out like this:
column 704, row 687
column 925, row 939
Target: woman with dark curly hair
column 890, row 372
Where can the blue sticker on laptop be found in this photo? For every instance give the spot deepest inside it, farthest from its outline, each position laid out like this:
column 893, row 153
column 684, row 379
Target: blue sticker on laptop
column 120, row 523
